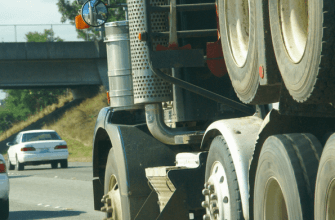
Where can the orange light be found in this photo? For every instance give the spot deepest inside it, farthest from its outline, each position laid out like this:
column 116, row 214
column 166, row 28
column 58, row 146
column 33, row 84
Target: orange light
column 140, row 36
column 80, row 23
column 108, row 98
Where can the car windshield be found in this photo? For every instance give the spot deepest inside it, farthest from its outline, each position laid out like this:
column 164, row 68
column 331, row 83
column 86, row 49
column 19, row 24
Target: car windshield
column 40, row 136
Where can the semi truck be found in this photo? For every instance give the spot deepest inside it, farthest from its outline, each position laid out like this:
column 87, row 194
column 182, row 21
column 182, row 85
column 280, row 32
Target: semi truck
column 219, row 109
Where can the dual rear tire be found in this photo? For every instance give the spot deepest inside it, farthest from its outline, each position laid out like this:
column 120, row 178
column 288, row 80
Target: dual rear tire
column 237, row 22
column 303, row 38
column 325, row 183
column 284, row 184
column 285, row 178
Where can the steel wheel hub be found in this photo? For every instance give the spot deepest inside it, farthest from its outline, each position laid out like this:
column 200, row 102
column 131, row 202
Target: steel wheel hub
column 294, row 26
column 112, row 201
column 217, row 198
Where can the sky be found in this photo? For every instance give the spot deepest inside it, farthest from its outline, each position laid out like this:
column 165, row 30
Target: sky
column 32, row 12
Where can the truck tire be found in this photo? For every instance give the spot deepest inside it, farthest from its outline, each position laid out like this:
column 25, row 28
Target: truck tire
column 112, row 200
column 303, row 36
column 285, row 177
column 238, row 36
column 18, row 166
column 324, row 205
column 221, row 183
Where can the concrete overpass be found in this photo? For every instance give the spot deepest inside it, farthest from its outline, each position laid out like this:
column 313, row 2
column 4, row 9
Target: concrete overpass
column 53, row 64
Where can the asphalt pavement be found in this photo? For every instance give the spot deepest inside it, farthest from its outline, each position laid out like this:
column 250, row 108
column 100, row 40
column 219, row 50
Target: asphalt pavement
column 39, row 192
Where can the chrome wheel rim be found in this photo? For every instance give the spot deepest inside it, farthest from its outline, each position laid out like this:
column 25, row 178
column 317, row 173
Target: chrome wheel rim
column 275, row 205
column 237, row 22
column 331, row 201
column 293, row 19
column 217, row 198
column 113, row 200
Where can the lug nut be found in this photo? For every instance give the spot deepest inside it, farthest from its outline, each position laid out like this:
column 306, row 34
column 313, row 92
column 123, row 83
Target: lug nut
column 205, row 204
column 103, row 201
column 211, row 187
column 110, row 210
column 105, row 197
column 109, row 201
column 206, row 185
column 213, row 197
column 103, row 209
column 205, row 192
column 206, row 217
column 225, row 199
column 215, row 210
column 214, row 204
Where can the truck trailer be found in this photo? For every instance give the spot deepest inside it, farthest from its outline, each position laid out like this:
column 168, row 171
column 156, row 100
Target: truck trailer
column 219, row 109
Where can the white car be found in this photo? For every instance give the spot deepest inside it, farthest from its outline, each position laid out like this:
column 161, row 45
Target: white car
column 4, row 190
column 37, row 147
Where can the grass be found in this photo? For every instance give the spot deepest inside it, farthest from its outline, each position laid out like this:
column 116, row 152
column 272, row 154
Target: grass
column 62, row 100
column 76, row 126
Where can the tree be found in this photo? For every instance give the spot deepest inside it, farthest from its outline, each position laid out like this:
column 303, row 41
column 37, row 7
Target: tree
column 47, row 36
column 70, row 10
column 21, row 103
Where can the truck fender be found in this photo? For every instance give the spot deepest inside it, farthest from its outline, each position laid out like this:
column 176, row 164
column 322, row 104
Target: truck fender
column 101, row 147
column 135, row 149
column 240, row 135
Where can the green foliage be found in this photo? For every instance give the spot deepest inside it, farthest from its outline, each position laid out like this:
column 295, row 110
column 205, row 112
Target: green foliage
column 6, row 119
column 47, row 36
column 70, row 10
column 23, row 102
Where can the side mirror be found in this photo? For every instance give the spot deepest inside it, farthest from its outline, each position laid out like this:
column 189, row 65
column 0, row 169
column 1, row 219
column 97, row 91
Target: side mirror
column 94, row 13
column 9, row 144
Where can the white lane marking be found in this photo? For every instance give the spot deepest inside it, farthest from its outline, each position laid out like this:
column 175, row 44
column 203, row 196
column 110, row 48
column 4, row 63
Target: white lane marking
column 47, row 206
column 40, row 204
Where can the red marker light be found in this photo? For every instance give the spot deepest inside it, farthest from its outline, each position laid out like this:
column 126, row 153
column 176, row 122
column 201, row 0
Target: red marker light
column 61, row 147
column 261, row 71
column 28, row 149
column 2, row 167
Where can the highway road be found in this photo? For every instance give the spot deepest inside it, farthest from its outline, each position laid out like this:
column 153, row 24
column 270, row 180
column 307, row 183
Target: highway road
column 40, row 192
